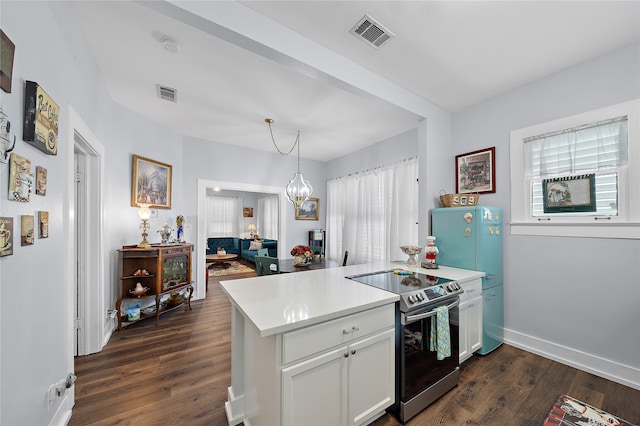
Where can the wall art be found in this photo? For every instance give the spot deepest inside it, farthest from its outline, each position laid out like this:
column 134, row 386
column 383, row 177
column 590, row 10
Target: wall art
column 20, row 178
column 308, row 210
column 570, row 194
column 43, row 224
column 7, row 137
column 6, row 236
column 247, row 211
column 7, row 52
column 41, row 181
column 475, row 172
column 151, row 183
column 26, row 230
column 41, row 116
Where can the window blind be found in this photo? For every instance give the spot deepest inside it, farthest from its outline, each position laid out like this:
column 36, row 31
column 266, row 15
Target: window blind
column 600, row 148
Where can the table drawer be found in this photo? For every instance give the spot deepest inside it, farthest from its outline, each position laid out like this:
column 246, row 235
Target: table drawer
column 317, row 338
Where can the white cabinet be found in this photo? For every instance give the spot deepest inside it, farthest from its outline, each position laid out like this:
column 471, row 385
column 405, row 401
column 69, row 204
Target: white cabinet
column 347, row 384
column 470, row 319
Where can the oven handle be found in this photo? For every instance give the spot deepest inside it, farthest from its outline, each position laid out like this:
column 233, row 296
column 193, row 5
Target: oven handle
column 413, row 318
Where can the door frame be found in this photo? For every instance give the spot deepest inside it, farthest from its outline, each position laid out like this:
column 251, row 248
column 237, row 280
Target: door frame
column 95, row 328
column 201, row 232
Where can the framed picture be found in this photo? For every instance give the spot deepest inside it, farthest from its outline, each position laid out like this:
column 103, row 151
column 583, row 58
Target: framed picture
column 151, row 183
column 41, row 181
column 7, row 52
column 41, row 116
column 43, row 224
column 570, row 194
column 20, row 178
column 308, row 210
column 26, row 230
column 247, row 212
column 6, row 236
column 475, row 172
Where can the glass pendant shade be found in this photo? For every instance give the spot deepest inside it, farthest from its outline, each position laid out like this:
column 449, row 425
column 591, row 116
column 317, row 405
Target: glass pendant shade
column 298, row 190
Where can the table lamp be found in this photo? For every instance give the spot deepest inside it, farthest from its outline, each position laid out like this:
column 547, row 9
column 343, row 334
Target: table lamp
column 144, row 214
column 252, row 229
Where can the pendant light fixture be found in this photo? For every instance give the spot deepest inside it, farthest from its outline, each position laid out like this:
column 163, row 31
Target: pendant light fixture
column 298, row 190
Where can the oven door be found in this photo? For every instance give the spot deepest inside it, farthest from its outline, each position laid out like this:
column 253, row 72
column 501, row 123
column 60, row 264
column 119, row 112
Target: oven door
column 419, row 366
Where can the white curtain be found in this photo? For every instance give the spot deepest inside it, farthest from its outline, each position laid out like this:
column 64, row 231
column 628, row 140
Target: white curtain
column 268, row 217
column 224, row 216
column 371, row 214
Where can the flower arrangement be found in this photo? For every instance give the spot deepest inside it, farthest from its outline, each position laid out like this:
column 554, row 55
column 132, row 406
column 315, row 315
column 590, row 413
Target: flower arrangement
column 301, row 250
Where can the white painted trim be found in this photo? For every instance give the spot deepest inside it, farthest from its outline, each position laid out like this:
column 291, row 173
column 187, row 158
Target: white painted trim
column 201, row 231
column 611, row 370
column 624, row 226
column 95, row 313
column 63, row 413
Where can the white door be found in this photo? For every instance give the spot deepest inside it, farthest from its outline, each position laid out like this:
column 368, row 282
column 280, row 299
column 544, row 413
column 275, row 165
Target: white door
column 91, row 329
column 371, row 376
column 313, row 391
column 474, row 323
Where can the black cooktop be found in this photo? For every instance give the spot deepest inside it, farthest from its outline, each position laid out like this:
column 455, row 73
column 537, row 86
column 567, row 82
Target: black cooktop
column 400, row 283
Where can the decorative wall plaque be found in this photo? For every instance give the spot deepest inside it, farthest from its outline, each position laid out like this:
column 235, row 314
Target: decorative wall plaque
column 41, row 116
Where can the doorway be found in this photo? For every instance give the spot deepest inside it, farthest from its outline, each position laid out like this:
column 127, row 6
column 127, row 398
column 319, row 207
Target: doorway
column 201, row 232
column 90, row 325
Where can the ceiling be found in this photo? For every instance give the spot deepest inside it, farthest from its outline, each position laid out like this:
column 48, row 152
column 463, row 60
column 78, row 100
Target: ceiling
column 451, row 53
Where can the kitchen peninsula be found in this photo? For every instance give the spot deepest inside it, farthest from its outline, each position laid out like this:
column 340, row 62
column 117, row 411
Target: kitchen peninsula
column 312, row 347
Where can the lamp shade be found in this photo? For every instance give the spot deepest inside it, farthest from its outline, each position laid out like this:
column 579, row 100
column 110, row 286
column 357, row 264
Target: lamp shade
column 144, row 213
column 251, row 227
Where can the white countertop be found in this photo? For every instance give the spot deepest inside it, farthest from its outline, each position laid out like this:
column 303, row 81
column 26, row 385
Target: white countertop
column 285, row 302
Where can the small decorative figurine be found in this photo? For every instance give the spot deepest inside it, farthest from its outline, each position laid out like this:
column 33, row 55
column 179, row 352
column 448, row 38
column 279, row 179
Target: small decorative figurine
column 165, row 234
column 180, row 225
column 431, row 253
column 139, row 290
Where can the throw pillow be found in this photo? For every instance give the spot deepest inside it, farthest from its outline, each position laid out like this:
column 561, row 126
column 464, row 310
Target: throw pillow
column 255, row 245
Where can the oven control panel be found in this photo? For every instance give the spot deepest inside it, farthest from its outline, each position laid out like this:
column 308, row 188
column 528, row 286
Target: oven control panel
column 426, row 295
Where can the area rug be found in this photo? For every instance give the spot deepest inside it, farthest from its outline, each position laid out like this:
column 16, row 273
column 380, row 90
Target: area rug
column 568, row 411
column 233, row 268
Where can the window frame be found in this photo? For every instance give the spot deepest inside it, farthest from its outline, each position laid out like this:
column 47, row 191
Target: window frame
column 625, row 225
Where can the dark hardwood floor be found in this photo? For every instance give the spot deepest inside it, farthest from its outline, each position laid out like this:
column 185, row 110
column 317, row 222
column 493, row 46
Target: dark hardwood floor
column 178, row 374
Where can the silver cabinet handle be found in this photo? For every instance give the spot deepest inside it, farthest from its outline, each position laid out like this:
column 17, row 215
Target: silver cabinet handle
column 353, row 330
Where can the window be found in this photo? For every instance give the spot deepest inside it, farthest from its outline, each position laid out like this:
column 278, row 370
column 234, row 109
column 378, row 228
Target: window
column 372, row 213
column 224, row 216
column 600, row 146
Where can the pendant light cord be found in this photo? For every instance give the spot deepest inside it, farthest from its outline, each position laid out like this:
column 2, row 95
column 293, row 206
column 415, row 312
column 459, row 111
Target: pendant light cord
column 296, row 142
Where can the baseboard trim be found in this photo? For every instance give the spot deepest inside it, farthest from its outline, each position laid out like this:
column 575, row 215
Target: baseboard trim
column 601, row 367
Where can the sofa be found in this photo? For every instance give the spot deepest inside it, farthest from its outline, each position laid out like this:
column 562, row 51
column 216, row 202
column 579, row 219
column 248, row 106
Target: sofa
column 246, row 253
column 230, row 244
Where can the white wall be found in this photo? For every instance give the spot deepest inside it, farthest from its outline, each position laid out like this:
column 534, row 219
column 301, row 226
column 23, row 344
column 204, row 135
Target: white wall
column 33, row 281
column 573, row 299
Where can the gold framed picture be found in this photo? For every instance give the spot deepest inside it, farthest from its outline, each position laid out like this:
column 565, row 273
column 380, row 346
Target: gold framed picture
column 308, row 210
column 151, row 183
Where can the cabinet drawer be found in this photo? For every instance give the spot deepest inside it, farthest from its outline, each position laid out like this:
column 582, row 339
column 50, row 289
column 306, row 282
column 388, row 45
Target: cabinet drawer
column 472, row 289
column 317, row 338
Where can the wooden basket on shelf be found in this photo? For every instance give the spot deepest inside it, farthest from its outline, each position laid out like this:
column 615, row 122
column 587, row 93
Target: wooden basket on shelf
column 458, row 200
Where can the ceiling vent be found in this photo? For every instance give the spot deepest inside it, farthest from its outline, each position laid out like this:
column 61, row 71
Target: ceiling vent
column 167, row 93
column 371, row 32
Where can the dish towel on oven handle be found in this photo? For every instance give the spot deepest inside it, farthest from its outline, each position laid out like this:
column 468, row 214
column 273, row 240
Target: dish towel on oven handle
column 439, row 337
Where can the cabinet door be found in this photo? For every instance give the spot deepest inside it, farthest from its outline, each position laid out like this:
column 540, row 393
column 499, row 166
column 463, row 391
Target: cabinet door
column 463, row 323
column 314, row 391
column 474, row 324
column 371, row 376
